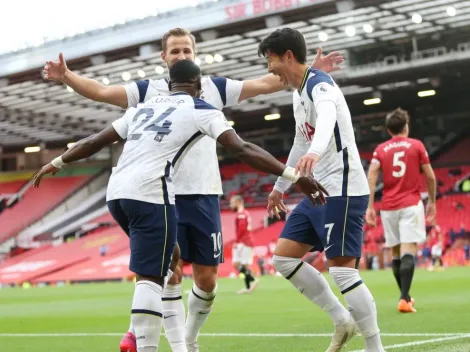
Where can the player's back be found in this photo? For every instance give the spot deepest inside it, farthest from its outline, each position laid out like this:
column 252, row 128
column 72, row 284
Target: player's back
column 400, row 159
column 202, row 164
column 158, row 133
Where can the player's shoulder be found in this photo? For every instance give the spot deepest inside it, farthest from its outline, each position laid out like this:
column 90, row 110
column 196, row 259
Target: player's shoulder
column 415, row 142
column 381, row 146
column 200, row 104
column 319, row 82
column 213, row 80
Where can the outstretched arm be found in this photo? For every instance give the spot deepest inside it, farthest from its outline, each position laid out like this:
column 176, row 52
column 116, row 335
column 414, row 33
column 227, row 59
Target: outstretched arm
column 89, row 88
column 271, row 83
column 261, row 160
column 81, row 150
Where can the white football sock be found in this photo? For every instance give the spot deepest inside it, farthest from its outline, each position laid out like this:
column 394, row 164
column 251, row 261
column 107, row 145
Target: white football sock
column 174, row 316
column 361, row 304
column 199, row 307
column 313, row 285
column 146, row 315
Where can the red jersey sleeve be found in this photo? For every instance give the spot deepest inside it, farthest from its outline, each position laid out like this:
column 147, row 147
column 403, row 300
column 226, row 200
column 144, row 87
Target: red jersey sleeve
column 376, row 158
column 423, row 154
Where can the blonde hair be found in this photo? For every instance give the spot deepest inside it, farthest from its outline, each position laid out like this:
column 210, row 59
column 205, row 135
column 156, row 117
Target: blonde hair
column 177, row 32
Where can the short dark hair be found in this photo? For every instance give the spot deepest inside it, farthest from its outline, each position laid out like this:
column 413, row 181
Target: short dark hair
column 177, row 32
column 397, row 120
column 282, row 40
column 184, row 71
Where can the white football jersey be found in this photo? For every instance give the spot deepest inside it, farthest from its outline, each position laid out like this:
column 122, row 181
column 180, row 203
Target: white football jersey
column 159, row 133
column 339, row 168
column 201, row 165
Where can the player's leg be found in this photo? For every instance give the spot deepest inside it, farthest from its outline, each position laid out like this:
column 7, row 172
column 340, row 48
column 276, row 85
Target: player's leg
column 152, row 241
column 128, row 342
column 298, row 237
column 390, row 221
column 412, row 228
column 344, row 236
column 206, row 245
column 236, row 257
column 174, row 312
column 245, row 262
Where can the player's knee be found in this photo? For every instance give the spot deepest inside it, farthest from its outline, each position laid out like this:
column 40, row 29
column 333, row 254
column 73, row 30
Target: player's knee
column 206, row 279
column 286, row 265
column 345, row 278
column 206, row 283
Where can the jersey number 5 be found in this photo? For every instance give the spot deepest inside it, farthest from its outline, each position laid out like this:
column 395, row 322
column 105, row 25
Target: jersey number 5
column 154, row 126
column 397, row 162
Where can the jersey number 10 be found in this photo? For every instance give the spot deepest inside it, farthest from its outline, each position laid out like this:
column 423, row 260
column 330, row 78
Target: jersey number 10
column 154, row 125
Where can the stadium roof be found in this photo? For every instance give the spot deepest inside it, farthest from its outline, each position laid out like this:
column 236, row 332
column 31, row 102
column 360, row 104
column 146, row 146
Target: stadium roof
column 32, row 109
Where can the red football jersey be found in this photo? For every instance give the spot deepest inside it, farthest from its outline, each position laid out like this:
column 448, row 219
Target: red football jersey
column 400, row 159
column 243, row 228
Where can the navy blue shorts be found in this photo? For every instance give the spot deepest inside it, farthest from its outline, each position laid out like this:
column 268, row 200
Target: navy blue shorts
column 199, row 229
column 306, row 225
column 344, row 220
column 152, row 232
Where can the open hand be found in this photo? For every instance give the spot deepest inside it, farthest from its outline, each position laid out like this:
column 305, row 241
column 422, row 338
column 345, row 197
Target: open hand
column 46, row 169
column 306, row 164
column 55, row 70
column 328, row 63
column 275, row 204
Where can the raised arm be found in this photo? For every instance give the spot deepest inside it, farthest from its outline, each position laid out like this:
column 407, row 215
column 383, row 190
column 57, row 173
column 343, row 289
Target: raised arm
column 81, row 150
column 261, row 160
column 89, row 88
column 271, row 83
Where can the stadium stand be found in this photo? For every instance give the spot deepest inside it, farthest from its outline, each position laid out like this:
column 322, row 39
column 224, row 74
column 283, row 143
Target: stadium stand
column 36, row 202
column 380, row 63
column 32, row 266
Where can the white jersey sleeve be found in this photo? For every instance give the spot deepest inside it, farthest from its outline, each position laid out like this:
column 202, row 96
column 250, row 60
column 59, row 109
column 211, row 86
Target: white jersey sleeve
column 298, row 150
column 229, row 90
column 136, row 92
column 209, row 120
column 122, row 124
column 324, row 95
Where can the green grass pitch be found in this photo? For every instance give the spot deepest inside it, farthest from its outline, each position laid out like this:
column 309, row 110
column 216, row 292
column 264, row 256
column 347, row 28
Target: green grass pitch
column 274, row 318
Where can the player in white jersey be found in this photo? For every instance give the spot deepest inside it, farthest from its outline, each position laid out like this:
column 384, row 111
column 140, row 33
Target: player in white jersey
column 201, row 195
column 325, row 145
column 141, row 195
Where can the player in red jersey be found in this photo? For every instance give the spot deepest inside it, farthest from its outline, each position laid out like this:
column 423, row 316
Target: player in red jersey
column 242, row 252
column 401, row 160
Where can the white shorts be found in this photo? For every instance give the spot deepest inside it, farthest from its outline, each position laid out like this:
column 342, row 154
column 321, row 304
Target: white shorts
column 436, row 251
column 407, row 225
column 242, row 254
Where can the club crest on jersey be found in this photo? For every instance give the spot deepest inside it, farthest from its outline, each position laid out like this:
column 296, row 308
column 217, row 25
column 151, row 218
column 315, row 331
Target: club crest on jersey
column 322, row 88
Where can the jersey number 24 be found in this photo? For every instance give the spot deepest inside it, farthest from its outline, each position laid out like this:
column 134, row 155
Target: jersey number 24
column 151, row 126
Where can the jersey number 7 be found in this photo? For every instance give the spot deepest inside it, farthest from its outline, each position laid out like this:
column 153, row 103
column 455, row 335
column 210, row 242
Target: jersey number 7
column 151, row 125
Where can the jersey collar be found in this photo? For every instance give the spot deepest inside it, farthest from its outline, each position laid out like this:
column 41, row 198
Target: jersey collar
column 304, row 80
